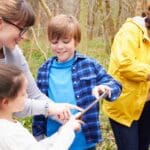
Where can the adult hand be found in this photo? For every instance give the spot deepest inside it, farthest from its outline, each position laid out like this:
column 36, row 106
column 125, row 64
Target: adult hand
column 62, row 110
column 97, row 90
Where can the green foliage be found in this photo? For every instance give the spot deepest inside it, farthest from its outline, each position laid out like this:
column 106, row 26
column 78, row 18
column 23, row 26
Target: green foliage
column 27, row 123
column 95, row 50
column 108, row 142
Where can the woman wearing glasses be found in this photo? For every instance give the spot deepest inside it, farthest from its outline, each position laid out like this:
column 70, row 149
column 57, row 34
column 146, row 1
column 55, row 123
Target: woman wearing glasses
column 16, row 16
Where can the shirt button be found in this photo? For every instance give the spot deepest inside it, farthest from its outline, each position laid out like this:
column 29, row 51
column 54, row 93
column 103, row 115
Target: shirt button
column 78, row 96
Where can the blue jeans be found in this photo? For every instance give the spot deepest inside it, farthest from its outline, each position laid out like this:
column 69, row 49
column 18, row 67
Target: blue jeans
column 136, row 137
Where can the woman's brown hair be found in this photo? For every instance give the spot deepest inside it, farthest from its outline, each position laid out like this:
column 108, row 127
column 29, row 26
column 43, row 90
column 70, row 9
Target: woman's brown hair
column 18, row 11
column 11, row 81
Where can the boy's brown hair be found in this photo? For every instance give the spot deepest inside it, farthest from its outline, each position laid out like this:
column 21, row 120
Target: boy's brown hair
column 64, row 26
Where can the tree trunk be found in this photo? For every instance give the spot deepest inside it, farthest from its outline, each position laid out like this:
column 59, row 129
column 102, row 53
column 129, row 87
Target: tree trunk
column 108, row 24
column 91, row 18
column 118, row 18
column 83, row 24
column 140, row 6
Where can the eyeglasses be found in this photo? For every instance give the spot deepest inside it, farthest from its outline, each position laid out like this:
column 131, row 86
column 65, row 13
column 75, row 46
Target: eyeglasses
column 22, row 30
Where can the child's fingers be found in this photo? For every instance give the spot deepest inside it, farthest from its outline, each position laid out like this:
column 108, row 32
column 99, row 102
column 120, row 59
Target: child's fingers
column 95, row 92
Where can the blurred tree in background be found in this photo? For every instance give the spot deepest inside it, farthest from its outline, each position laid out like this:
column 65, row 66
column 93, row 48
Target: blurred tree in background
column 99, row 18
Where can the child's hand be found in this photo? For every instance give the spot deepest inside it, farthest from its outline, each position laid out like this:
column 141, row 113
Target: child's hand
column 74, row 124
column 62, row 110
column 98, row 90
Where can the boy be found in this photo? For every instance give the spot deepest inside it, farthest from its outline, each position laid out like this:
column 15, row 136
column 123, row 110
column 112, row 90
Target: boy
column 70, row 77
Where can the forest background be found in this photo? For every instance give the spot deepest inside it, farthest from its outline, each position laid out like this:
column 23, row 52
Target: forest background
column 99, row 20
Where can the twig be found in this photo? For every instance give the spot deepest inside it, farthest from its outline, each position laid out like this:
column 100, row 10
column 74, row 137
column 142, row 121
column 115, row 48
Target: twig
column 37, row 43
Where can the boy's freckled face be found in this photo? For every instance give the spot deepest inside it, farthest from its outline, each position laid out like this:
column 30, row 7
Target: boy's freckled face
column 63, row 48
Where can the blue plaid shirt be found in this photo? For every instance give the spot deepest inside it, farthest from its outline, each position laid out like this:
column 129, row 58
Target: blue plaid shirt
column 86, row 74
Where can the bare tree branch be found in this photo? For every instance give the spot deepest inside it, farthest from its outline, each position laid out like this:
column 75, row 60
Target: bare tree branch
column 46, row 8
column 37, row 43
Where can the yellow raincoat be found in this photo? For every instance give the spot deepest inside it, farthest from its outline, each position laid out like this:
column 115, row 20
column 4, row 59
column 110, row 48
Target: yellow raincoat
column 130, row 64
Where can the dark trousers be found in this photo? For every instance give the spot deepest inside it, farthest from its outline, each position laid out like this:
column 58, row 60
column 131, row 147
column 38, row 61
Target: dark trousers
column 136, row 137
column 92, row 148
